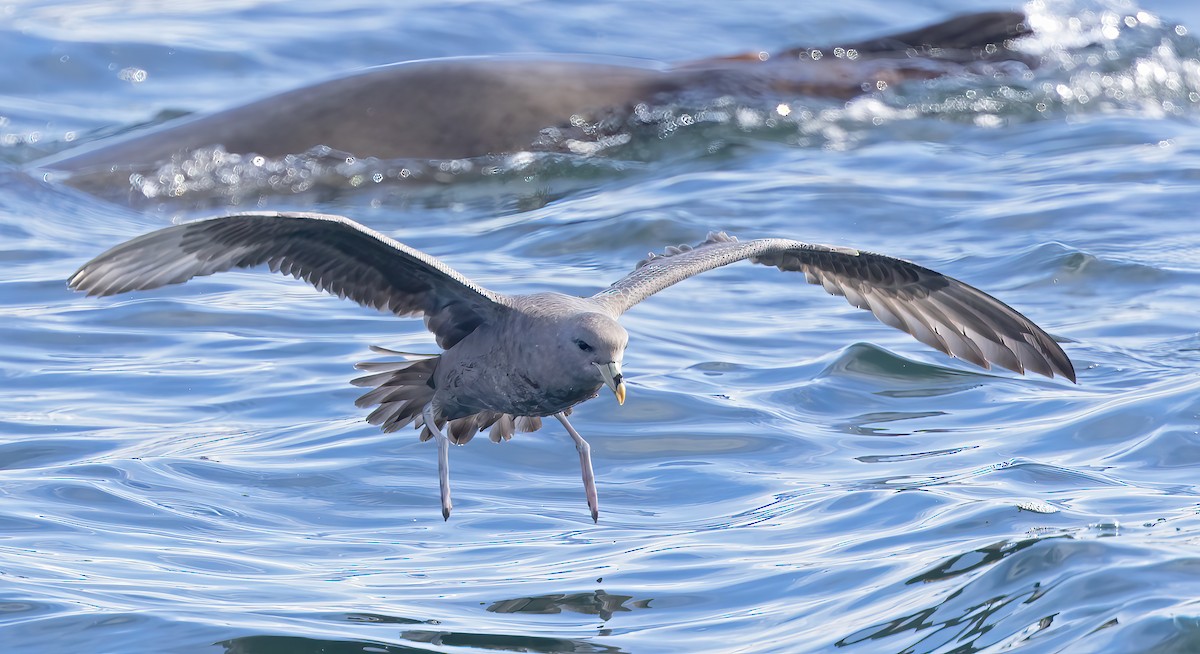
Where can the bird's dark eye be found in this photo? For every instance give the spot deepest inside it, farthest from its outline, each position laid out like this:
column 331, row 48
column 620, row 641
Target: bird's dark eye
column 584, row 346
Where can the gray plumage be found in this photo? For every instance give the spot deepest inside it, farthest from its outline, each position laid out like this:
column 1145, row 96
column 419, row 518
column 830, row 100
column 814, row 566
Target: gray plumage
column 940, row 311
column 511, row 360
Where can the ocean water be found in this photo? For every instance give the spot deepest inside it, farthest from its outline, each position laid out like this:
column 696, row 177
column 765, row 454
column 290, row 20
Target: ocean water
column 184, row 470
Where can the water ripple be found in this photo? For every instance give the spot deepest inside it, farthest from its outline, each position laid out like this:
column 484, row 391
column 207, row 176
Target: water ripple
column 185, row 470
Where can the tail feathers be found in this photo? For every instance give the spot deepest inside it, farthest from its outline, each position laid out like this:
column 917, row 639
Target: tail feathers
column 502, row 429
column 528, row 424
column 506, row 425
column 379, row 349
column 461, row 430
column 403, row 389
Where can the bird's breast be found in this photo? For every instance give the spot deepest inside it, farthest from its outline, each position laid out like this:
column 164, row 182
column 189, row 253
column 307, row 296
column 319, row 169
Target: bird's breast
column 526, row 395
column 466, row 385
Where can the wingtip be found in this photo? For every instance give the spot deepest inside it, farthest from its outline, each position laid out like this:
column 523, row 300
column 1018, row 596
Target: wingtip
column 1060, row 363
column 1058, row 367
column 76, row 278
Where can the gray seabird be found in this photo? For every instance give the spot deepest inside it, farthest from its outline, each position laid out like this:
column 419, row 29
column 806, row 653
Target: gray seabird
column 510, row 360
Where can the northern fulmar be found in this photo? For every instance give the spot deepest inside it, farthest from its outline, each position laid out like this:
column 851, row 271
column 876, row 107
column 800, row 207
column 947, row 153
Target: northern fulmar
column 511, row 360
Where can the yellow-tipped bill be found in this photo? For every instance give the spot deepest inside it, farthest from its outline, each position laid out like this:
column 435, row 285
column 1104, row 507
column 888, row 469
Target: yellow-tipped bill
column 612, row 379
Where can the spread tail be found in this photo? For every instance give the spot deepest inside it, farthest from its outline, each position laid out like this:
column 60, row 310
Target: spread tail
column 400, row 388
column 403, row 388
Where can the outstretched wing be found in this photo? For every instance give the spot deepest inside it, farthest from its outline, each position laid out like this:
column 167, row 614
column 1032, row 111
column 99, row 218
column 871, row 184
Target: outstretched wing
column 939, row 311
column 332, row 253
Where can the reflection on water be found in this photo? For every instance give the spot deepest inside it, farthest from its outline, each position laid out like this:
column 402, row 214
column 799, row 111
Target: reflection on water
column 436, row 639
column 300, row 645
column 511, row 643
column 595, row 603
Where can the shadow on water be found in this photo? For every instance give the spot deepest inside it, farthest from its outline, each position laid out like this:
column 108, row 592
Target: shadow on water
column 597, row 603
column 301, row 645
column 505, row 643
column 437, row 639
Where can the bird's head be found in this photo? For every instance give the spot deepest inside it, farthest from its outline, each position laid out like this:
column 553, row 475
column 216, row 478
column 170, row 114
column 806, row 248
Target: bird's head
column 596, row 345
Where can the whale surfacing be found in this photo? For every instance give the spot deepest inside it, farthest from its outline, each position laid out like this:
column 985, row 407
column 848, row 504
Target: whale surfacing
column 476, row 106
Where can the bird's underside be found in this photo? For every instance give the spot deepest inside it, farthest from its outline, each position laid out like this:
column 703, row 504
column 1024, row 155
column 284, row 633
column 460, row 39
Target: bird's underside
column 401, row 390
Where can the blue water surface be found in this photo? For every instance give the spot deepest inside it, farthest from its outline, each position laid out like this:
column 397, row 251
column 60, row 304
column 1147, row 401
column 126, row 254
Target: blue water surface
column 184, row 470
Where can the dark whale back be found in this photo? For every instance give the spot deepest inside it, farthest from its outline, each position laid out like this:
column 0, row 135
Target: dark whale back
column 435, row 109
column 474, row 106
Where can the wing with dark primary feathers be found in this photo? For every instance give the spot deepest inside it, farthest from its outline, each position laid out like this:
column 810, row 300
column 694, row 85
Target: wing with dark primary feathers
column 332, row 253
column 939, row 311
